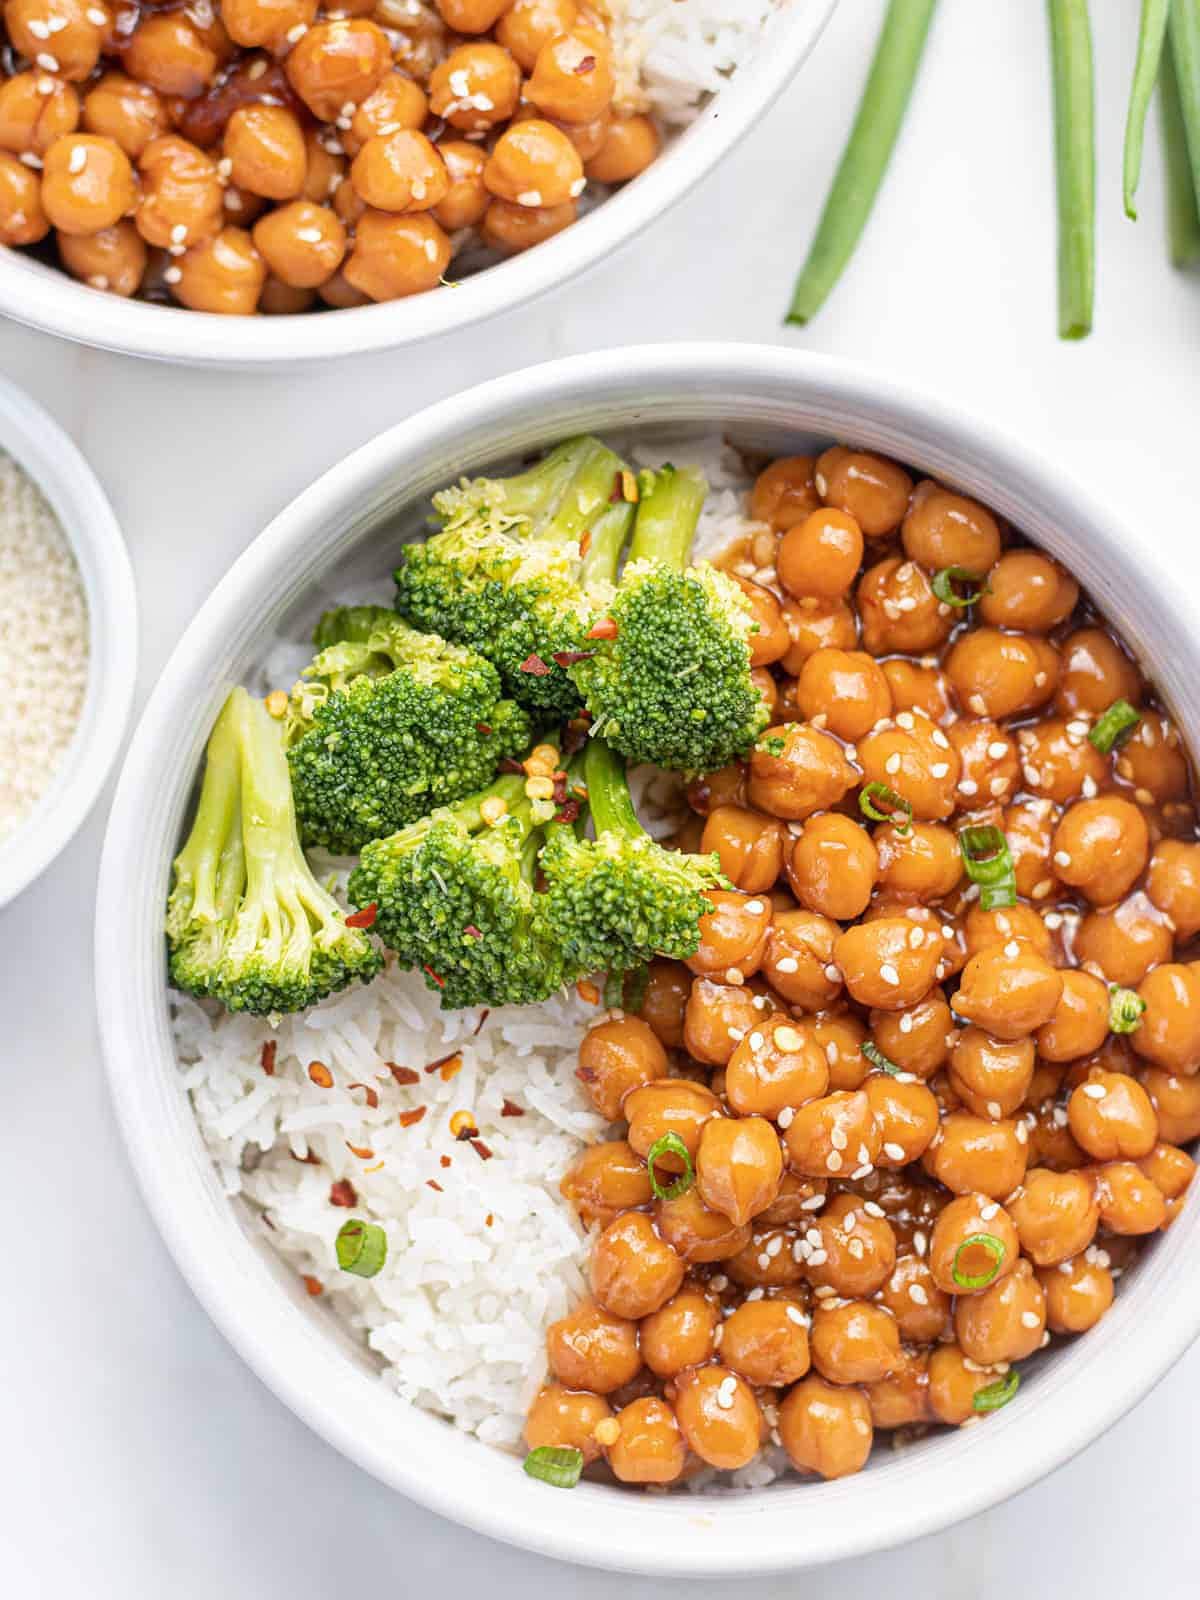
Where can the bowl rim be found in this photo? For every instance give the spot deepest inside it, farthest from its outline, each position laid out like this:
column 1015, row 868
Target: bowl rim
column 1080, row 1392
column 48, row 299
column 53, row 462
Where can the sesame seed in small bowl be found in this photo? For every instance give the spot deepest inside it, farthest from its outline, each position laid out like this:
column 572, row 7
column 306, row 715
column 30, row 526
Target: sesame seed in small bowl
column 68, row 639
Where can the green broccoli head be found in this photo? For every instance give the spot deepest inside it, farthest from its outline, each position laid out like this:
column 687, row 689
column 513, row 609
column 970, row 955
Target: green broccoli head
column 388, row 724
column 455, row 898
column 247, row 923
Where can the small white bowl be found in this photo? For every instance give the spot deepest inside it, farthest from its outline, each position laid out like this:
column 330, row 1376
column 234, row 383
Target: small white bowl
column 47, row 298
column 345, row 527
column 41, row 448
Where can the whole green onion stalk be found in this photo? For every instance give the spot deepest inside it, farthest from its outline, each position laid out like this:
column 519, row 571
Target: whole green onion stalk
column 1075, row 163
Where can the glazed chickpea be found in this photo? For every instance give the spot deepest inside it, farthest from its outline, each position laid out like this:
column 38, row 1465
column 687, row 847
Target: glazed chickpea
column 738, row 1166
column 1153, row 761
column 669, row 1105
column 606, row 1179
column 572, row 78
column 922, row 859
column 889, row 963
column 516, row 228
column 1004, row 1322
column 901, row 1399
column 87, row 183
column 922, row 1310
column 400, row 171
column 534, row 164
column 1101, row 847
column 719, row 1416
column 223, row 274
column 872, row 489
column 1009, row 989
column 974, row 1154
column 558, row 1416
column 915, row 758
column 1078, row 1293
column 917, row 1039
column 989, row 765
column 527, row 25
column 733, row 935
column 778, row 1064
column 841, row 1036
column 113, row 259
column 999, row 675
column 1176, row 1103
column 1058, row 761
column 1079, row 1023
column 482, row 71
column 265, row 145
column 766, row 1342
column 650, row 1447
column 679, row 1334
column 337, row 64
column 798, row 961
column 696, row 1233
column 974, row 1244
column 1112, row 1118
column 847, row 688
column 1124, row 942
column 324, row 170
column 1169, row 1035
column 341, row 294
column 899, row 611
column 591, row 1349
column 129, row 113
column 471, row 16
column 796, row 769
column 35, row 110
column 820, row 553
column 1029, row 592
column 991, row 1076
column 22, row 218
column 1129, row 1201
column 1029, row 829
column 816, row 624
column 1170, row 1170
column 395, row 256
column 796, row 1200
column 825, row 1429
column 466, row 198
column 907, row 1116
column 396, row 103
column 853, row 1341
column 180, row 199
column 749, row 846
column 245, row 208
column 1055, row 1215
column 944, row 529
column 834, row 1135
column 953, row 1384
column 166, row 51
column 302, row 243
column 918, row 688
column 634, row 1269
column 629, row 145
column 717, row 1017
column 769, row 639
column 784, row 494
column 266, row 23
column 617, row 1057
column 59, row 36
column 833, row 866
column 1173, row 884
column 857, row 1251
column 1094, row 673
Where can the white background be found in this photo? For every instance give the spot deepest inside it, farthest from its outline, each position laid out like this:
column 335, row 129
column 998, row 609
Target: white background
column 138, row 1456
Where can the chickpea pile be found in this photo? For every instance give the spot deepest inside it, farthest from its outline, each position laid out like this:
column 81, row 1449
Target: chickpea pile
column 899, row 1140
column 264, row 155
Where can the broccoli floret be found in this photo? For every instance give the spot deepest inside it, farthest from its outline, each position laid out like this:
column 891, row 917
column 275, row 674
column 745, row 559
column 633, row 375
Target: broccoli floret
column 671, row 684
column 623, row 899
column 387, row 723
column 247, row 923
column 455, row 896
column 520, row 567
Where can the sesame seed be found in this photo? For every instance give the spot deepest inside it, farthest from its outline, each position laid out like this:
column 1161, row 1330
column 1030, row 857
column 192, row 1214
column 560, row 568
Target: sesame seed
column 857, row 1249
column 1030, row 1319
column 892, row 765
column 873, row 1208
column 940, row 769
column 256, row 70
column 179, row 233
column 834, row 974
column 77, row 160
column 794, row 1314
column 995, row 1110
column 1022, row 1134
column 294, row 35
column 906, row 1022
column 917, row 1294
column 774, row 1245
column 862, row 1172
column 1143, row 797
column 45, row 86
column 764, row 1261
column 787, row 1038
column 813, row 1203
column 1095, row 1091
column 889, row 974
column 940, row 739
column 733, row 975
column 968, row 786
column 784, row 1119
column 97, row 18
column 1012, row 949
column 834, row 1161
column 172, row 274
column 38, row 28
column 725, row 1399
column 754, row 908
column 893, row 1151
column 787, row 964
column 309, row 235
column 916, row 938
column 837, row 1138
column 720, row 1282
column 904, row 719
column 46, row 61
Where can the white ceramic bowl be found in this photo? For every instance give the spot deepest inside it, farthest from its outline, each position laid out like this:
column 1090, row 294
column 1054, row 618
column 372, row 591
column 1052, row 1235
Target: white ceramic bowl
column 48, row 298
column 344, row 527
column 43, row 450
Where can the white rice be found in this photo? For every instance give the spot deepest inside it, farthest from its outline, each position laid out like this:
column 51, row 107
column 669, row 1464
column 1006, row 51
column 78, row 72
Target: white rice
column 671, row 55
column 478, row 1268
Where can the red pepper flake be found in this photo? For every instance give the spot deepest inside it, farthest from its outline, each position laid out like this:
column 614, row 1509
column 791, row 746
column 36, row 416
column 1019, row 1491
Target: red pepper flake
column 310, row 1160
column 568, row 812
column 364, row 918
column 445, row 1161
column 441, row 982
column 320, row 1074
column 267, row 1058
column 432, row 1183
column 481, row 1150
column 606, row 628
column 587, row 991
column 403, row 1075
column 362, row 1151
column 560, row 787
column 483, row 1016
column 489, row 1219
column 617, row 492
column 586, row 1074
column 568, row 658
column 313, row 1285
column 575, row 738
column 343, row 1193
column 511, row 1109
column 449, row 1066
column 409, row 1119
column 483, row 727
column 585, row 544
column 371, row 1094
column 471, row 932
column 535, row 666
column 588, row 64
column 510, row 764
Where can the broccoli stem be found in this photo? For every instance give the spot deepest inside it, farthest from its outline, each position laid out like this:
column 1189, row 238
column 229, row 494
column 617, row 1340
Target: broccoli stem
column 588, row 492
column 608, row 535
column 213, row 861
column 667, row 514
column 608, row 794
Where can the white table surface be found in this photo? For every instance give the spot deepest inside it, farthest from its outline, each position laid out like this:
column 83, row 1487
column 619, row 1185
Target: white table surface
column 138, row 1456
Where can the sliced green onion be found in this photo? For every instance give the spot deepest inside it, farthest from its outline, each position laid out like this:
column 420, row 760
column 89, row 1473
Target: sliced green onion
column 865, row 158
column 1075, row 164
column 877, row 1058
column 1113, row 727
column 1125, row 1008
column 898, row 810
column 997, row 1394
column 361, row 1247
column 559, row 1465
column 636, row 984
column 670, row 1145
column 943, row 583
column 614, row 991
column 1183, row 203
column 988, row 862
column 1151, row 33
column 978, row 1280
column 1185, row 54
